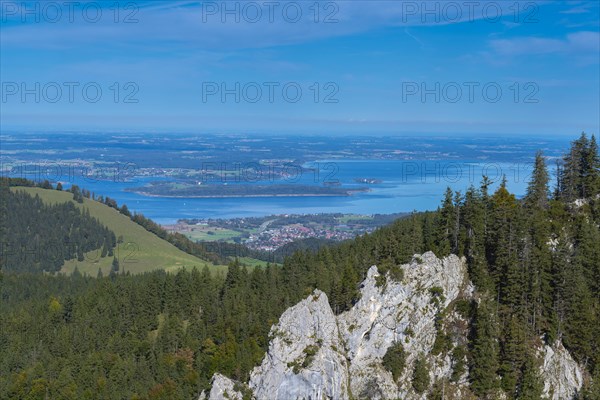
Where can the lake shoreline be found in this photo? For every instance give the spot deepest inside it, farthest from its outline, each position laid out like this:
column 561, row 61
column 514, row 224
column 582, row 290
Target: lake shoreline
column 246, row 195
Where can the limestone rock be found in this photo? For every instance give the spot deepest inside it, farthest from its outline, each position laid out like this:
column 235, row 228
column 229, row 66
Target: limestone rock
column 223, row 388
column 315, row 355
column 562, row 376
column 402, row 312
column 305, row 357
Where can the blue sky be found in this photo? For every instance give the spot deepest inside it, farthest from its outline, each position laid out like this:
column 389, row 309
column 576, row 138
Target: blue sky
column 371, row 61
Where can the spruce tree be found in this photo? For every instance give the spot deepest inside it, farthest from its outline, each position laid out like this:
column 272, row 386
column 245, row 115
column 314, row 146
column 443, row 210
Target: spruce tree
column 115, row 266
column 592, row 169
column 531, row 385
column 473, row 221
column 536, row 253
column 484, row 351
column 503, row 248
column 512, row 353
column 581, row 318
column 538, row 190
column 574, row 171
column 445, row 225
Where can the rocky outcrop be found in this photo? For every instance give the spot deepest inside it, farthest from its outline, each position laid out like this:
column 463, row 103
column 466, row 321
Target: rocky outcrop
column 305, row 358
column 315, row 355
column 562, row 376
column 403, row 312
column 224, row 388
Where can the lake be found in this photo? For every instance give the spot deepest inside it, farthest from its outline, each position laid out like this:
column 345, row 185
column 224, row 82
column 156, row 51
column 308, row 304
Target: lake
column 400, row 186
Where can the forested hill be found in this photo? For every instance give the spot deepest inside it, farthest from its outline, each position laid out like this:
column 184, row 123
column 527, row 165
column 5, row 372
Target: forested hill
column 535, row 264
column 40, row 237
column 136, row 250
column 136, row 243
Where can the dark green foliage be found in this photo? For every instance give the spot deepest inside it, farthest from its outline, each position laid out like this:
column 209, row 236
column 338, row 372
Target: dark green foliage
column 40, row 237
column 442, row 343
column 115, row 266
column 484, row 351
column 388, row 268
column 309, row 355
column 45, row 185
column 580, row 175
column 445, row 231
column 535, row 264
column 124, row 210
column 464, row 308
column 531, row 385
column 513, row 351
column 437, row 295
column 420, row 376
column 395, row 360
column 459, row 364
column 244, row 390
column 538, row 190
column 215, row 252
column 77, row 194
column 591, row 390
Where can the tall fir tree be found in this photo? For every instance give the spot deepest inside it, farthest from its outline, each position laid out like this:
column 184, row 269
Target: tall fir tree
column 536, row 253
column 446, row 225
column 484, row 353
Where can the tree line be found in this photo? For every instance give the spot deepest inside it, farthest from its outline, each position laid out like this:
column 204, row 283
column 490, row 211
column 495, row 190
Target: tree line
column 535, row 264
column 36, row 236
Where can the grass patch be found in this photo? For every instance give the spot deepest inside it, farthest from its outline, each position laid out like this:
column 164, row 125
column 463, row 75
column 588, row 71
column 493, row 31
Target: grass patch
column 211, row 234
column 353, row 217
column 139, row 251
column 253, row 262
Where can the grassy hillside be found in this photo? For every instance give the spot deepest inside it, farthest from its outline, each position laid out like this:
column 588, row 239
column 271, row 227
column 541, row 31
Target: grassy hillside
column 140, row 251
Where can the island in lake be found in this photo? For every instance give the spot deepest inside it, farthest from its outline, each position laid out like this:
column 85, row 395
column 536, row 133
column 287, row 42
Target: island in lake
column 369, row 181
column 188, row 190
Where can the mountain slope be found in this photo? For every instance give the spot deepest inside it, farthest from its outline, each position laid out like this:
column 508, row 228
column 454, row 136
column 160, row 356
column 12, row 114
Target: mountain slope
column 315, row 354
column 139, row 251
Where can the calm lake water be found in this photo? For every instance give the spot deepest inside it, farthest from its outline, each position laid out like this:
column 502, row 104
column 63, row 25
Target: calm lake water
column 401, row 186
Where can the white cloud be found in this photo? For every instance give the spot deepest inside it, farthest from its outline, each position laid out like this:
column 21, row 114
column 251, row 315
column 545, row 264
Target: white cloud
column 199, row 25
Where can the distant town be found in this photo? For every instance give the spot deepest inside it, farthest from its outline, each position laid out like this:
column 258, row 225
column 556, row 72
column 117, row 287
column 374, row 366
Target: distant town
column 275, row 231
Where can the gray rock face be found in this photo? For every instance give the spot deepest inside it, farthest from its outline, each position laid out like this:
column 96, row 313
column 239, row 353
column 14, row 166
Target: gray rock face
column 315, row 355
column 222, row 388
column 562, row 376
column 305, row 358
column 400, row 312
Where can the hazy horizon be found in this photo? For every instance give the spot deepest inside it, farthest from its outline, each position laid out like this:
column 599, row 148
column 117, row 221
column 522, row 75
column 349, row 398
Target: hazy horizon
column 292, row 67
